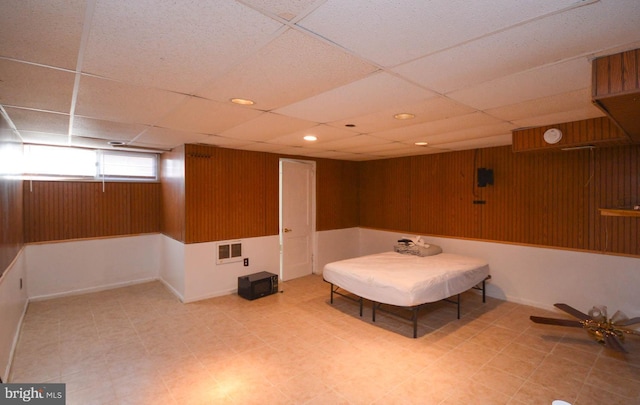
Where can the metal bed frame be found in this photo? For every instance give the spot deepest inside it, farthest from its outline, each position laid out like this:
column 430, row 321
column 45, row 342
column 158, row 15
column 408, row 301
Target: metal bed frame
column 414, row 309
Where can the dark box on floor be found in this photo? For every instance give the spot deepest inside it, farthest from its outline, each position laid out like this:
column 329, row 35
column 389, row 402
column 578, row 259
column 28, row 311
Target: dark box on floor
column 257, row 285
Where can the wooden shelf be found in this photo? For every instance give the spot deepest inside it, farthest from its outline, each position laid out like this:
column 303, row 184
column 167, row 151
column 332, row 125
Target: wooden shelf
column 620, row 212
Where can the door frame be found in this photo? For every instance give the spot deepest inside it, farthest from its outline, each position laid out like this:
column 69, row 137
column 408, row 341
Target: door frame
column 312, row 164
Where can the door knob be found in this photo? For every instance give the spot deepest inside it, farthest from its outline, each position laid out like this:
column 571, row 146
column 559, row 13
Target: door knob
column 287, row 230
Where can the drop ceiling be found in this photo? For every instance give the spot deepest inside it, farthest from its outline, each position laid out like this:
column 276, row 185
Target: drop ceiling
column 158, row 74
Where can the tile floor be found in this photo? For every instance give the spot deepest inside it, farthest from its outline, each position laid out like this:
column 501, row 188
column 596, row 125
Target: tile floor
column 139, row 345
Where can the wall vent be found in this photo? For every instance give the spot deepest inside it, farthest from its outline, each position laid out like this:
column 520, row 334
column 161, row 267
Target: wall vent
column 229, row 252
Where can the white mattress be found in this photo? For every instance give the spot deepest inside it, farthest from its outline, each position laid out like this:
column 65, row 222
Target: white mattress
column 406, row 280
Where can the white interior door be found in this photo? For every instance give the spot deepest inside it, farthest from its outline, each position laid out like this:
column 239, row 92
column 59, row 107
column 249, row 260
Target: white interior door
column 296, row 218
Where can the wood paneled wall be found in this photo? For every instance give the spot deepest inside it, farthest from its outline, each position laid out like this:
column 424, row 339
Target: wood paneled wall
column 547, row 199
column 226, row 193
column 230, row 194
column 55, row 210
column 336, row 194
column 173, row 187
column 11, row 231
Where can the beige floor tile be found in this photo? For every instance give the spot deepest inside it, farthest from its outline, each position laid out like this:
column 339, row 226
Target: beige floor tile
column 140, row 345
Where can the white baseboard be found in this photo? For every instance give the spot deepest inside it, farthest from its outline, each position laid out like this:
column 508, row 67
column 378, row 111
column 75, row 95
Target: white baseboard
column 14, row 345
column 213, row 295
column 172, row 290
column 92, row 289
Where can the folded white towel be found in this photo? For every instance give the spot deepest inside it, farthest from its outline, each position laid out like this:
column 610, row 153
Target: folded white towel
column 417, row 240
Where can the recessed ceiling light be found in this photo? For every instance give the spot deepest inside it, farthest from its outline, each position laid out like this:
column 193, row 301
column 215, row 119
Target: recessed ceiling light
column 310, row 138
column 242, row 101
column 404, row 116
column 421, row 143
column 350, row 125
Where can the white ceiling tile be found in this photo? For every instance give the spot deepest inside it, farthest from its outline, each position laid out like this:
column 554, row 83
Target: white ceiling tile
column 225, row 142
column 431, row 109
column 292, row 67
column 39, row 121
column 172, row 45
column 350, row 143
column 46, row 32
column 208, row 117
column 115, row 101
column 410, row 151
column 159, row 73
column 543, row 106
column 541, row 82
column 558, row 117
column 287, row 9
column 438, row 127
column 267, row 127
column 44, row 138
column 31, row 86
column 543, row 41
column 116, row 131
column 376, row 148
column 391, row 33
column 323, row 133
column 483, row 131
column 166, row 138
column 485, row 142
column 261, row 147
column 373, row 93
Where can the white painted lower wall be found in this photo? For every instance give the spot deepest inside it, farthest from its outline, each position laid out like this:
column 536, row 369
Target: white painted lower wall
column 529, row 275
column 336, row 245
column 204, row 278
column 538, row 276
column 74, row 267
column 172, row 262
column 13, row 304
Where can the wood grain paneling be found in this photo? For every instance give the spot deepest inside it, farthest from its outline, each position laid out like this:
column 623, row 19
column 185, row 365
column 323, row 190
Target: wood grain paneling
column 616, row 90
column 225, row 193
column 11, row 228
column 232, row 194
column 337, row 194
column 615, row 74
column 172, row 179
column 61, row 210
column 597, row 131
column 385, row 194
column 545, row 199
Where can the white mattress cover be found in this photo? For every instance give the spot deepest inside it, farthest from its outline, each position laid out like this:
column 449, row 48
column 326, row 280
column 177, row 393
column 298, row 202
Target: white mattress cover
column 406, row 280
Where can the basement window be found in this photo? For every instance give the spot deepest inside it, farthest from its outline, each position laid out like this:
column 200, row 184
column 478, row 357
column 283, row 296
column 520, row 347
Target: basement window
column 66, row 163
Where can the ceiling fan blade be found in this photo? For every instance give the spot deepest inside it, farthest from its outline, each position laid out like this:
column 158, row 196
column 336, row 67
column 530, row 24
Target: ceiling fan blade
column 612, row 341
column 554, row 321
column 572, row 311
column 628, row 322
column 628, row 331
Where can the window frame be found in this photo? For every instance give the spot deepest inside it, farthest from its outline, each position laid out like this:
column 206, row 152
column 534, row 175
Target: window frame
column 98, row 165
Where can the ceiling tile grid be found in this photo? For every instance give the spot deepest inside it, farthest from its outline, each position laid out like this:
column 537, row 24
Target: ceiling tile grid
column 159, row 74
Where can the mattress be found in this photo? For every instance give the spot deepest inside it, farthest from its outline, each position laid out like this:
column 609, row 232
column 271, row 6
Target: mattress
column 406, row 280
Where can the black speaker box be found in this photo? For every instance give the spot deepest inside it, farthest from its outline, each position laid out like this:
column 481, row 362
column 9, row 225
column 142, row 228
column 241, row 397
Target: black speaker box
column 485, row 177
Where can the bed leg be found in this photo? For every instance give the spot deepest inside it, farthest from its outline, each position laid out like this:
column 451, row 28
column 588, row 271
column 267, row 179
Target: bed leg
column 484, row 291
column 361, row 307
column 373, row 312
column 332, row 293
column 415, row 322
column 458, row 306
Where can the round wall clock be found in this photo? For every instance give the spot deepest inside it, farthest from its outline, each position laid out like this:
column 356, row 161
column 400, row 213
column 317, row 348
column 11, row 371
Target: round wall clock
column 552, row 136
